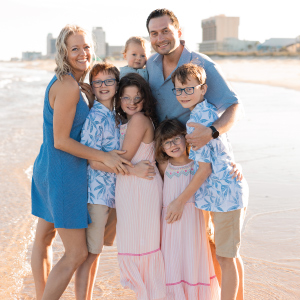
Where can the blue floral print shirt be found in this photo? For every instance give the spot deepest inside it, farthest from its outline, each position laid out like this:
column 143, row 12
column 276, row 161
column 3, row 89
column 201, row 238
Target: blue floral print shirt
column 219, row 193
column 100, row 132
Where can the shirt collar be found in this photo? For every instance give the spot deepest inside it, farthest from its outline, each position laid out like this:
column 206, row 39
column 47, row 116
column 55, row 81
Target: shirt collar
column 99, row 106
column 200, row 106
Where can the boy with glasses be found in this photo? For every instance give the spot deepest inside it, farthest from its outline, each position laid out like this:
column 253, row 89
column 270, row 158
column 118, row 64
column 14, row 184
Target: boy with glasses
column 224, row 197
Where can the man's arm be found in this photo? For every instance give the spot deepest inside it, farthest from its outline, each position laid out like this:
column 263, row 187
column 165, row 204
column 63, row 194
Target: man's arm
column 202, row 134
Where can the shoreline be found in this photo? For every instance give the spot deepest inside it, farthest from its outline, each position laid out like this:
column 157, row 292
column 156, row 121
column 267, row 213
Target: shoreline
column 278, row 72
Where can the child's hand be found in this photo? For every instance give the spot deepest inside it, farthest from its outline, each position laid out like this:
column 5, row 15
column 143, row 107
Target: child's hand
column 87, row 90
column 144, row 169
column 174, row 211
column 236, row 171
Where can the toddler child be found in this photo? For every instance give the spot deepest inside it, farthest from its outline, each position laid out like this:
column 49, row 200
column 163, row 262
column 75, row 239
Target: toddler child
column 226, row 198
column 188, row 263
column 136, row 52
column 139, row 201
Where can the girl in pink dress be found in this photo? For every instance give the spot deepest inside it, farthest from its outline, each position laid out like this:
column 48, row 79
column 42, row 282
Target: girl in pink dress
column 138, row 200
column 184, row 244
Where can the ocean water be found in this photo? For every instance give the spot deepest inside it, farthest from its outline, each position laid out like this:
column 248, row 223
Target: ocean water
column 265, row 142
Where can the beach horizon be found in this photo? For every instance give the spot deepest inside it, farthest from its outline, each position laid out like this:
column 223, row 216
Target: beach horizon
column 273, row 71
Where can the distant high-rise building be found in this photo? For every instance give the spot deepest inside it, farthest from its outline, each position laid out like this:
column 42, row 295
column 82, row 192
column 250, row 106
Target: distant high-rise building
column 100, row 43
column 51, row 48
column 216, row 29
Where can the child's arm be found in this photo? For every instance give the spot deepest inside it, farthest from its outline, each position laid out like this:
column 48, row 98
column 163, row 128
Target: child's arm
column 162, row 168
column 140, row 129
column 175, row 208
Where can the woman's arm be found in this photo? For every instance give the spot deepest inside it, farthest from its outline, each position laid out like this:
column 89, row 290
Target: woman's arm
column 64, row 99
column 175, row 208
column 143, row 169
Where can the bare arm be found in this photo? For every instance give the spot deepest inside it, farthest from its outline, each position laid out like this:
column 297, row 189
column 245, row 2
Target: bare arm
column 64, row 99
column 143, row 169
column 162, row 168
column 202, row 134
column 139, row 130
column 175, row 208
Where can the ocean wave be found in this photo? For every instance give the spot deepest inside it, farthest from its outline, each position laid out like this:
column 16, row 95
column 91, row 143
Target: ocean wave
column 29, row 172
column 4, row 83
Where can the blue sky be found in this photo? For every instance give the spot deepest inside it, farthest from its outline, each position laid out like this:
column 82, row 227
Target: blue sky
column 25, row 24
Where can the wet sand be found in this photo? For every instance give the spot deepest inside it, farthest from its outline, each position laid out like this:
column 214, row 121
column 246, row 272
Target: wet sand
column 265, row 142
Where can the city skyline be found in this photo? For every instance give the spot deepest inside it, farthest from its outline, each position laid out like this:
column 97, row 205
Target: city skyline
column 121, row 20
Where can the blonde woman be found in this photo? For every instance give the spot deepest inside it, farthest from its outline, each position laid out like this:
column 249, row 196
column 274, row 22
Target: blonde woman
column 59, row 183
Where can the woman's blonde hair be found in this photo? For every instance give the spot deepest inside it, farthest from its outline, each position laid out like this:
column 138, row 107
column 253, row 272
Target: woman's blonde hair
column 61, row 58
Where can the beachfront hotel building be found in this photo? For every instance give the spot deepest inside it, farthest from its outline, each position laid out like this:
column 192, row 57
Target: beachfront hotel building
column 100, row 43
column 221, row 34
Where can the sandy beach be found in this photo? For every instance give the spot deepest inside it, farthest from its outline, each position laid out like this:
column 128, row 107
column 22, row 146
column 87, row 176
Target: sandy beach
column 265, row 142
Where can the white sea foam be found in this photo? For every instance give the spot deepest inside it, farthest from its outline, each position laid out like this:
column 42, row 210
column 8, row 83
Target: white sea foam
column 29, row 171
column 4, row 83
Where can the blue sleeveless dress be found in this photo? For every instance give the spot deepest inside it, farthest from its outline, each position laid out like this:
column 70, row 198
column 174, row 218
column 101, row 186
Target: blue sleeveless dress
column 59, row 181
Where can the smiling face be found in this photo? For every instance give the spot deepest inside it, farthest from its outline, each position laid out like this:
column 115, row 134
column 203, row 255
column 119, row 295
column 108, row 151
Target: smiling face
column 79, row 56
column 130, row 108
column 105, row 94
column 164, row 37
column 190, row 101
column 175, row 151
column 136, row 56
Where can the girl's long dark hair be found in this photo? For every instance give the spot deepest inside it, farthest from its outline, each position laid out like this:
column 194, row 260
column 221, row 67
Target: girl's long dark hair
column 149, row 109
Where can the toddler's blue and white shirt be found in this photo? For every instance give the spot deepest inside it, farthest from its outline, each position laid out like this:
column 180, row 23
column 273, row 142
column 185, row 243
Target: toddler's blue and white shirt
column 143, row 72
column 219, row 193
column 100, row 132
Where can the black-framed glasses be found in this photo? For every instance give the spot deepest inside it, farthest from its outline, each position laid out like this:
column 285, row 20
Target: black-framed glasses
column 176, row 141
column 128, row 100
column 107, row 82
column 188, row 90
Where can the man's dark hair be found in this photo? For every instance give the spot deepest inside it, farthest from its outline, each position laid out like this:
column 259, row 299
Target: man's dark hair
column 160, row 13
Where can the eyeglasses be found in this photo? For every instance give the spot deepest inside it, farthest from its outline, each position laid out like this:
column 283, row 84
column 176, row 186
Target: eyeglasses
column 107, row 82
column 187, row 90
column 176, row 141
column 128, row 100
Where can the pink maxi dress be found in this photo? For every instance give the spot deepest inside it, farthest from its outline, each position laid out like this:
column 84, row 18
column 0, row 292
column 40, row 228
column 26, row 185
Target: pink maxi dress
column 189, row 267
column 139, row 205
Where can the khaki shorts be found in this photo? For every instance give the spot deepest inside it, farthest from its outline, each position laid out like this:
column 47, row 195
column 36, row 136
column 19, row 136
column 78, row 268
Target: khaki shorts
column 102, row 230
column 228, row 230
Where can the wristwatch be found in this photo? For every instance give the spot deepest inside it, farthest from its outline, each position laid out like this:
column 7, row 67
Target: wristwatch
column 215, row 132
